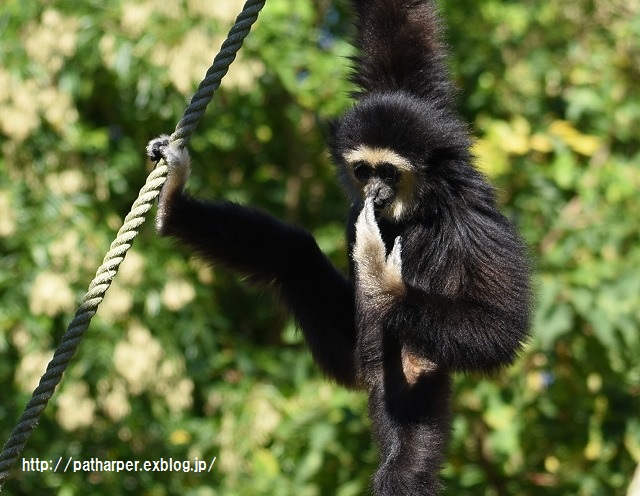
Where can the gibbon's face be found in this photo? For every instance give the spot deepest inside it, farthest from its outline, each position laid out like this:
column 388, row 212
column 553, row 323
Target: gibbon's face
column 384, row 175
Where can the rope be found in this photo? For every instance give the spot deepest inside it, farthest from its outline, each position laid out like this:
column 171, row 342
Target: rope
column 216, row 72
column 129, row 230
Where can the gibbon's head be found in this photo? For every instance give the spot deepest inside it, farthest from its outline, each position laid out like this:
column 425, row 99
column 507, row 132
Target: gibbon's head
column 393, row 147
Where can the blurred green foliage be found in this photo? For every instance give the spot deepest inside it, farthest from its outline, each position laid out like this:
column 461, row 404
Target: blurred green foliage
column 184, row 362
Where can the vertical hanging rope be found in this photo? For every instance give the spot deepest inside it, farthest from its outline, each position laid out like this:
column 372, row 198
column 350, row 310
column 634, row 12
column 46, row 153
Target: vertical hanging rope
column 109, row 268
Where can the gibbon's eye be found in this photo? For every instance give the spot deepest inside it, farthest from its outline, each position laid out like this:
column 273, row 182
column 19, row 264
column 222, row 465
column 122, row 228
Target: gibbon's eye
column 388, row 173
column 362, row 171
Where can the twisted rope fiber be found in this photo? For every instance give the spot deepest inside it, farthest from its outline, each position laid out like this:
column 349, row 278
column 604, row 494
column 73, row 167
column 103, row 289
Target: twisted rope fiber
column 216, row 72
column 124, row 239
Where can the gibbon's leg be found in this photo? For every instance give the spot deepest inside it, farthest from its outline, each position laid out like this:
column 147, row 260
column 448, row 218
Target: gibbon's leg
column 412, row 427
column 266, row 251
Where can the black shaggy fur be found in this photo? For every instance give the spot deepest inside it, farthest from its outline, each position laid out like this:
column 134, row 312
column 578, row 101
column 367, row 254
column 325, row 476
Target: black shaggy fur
column 463, row 300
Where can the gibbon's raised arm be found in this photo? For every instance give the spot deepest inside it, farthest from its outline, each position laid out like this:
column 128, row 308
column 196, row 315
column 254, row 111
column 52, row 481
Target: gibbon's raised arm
column 266, row 251
column 399, row 48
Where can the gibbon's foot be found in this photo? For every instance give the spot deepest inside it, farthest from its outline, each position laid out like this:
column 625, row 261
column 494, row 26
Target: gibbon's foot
column 379, row 274
column 178, row 162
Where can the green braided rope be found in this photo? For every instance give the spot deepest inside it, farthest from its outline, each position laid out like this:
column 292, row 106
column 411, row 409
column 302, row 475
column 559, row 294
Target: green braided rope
column 129, row 230
column 216, row 72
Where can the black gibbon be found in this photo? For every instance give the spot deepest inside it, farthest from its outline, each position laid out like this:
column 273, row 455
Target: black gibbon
column 439, row 278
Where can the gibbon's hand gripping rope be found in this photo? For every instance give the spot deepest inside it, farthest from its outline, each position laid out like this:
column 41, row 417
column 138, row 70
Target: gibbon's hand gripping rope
column 132, row 222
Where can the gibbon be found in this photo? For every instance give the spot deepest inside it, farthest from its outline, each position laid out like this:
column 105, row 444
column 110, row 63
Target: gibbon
column 439, row 280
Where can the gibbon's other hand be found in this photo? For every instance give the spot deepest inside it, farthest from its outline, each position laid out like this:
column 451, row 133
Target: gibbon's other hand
column 377, row 275
column 178, row 162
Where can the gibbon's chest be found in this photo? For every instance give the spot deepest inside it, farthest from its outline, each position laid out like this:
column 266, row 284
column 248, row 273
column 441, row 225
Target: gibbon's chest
column 434, row 258
column 390, row 231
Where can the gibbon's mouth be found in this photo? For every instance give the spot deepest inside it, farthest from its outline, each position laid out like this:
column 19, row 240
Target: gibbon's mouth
column 381, row 206
column 378, row 209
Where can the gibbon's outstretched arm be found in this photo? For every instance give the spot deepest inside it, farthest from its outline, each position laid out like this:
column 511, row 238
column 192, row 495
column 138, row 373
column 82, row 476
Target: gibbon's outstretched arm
column 399, row 48
column 268, row 252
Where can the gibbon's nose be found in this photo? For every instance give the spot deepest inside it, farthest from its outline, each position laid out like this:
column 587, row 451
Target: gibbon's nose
column 382, row 198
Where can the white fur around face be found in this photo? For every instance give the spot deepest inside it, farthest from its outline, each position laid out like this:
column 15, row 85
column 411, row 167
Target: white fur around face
column 405, row 200
column 376, row 156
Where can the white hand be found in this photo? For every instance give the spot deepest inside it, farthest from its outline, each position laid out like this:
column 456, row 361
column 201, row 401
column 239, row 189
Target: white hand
column 377, row 275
